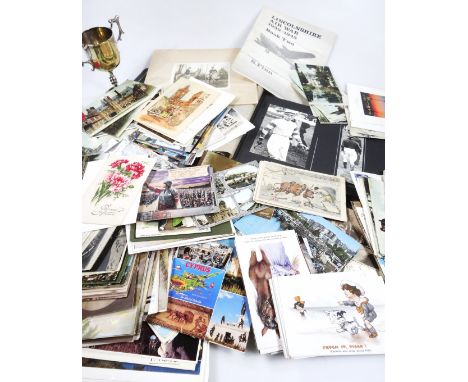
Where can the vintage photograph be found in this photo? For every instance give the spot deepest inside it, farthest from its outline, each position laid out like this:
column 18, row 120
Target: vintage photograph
column 285, row 135
column 352, row 151
column 214, row 253
column 230, row 322
column 301, row 190
column 214, row 73
column 177, row 107
column 93, row 243
column 183, row 317
column 261, row 258
column 114, row 104
column 322, row 93
column 177, row 193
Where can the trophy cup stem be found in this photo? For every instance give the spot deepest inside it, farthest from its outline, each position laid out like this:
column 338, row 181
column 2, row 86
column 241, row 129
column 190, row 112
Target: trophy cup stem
column 113, row 79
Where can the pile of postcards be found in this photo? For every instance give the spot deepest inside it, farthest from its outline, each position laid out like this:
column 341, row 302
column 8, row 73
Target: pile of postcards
column 233, row 188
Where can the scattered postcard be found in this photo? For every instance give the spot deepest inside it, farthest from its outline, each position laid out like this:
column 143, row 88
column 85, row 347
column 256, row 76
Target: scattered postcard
column 366, row 109
column 230, row 322
column 192, row 295
column 212, row 66
column 274, row 44
column 93, row 243
column 322, row 93
column 230, row 126
column 181, row 352
column 262, row 257
column 177, row 193
column 352, row 154
column 234, row 191
column 175, row 226
column 183, row 110
column 115, row 104
column 330, row 314
column 213, row 254
column 377, row 195
column 301, row 190
column 110, row 196
column 216, row 161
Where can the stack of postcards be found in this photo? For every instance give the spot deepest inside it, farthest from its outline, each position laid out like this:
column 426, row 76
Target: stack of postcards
column 211, row 205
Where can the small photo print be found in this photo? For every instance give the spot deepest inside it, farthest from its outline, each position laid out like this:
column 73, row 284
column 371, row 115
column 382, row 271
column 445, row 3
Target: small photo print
column 230, row 121
column 285, row 135
column 214, row 73
column 351, row 155
column 373, row 104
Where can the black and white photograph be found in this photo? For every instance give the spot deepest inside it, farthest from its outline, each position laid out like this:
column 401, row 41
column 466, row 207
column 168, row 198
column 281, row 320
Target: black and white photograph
column 351, row 155
column 215, row 73
column 285, row 135
column 229, row 122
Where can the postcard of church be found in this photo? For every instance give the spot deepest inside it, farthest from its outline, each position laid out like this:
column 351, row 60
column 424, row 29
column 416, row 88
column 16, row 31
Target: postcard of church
column 114, row 104
column 322, row 93
column 193, row 291
column 274, row 44
column 109, row 198
column 177, row 107
column 234, row 191
column 330, row 314
column 262, row 257
column 301, row 190
column 177, row 193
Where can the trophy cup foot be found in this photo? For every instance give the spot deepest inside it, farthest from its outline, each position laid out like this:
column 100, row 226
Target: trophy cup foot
column 113, row 79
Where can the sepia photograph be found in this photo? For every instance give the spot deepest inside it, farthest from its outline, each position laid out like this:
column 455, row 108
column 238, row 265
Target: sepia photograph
column 177, row 193
column 214, row 73
column 322, row 93
column 285, row 135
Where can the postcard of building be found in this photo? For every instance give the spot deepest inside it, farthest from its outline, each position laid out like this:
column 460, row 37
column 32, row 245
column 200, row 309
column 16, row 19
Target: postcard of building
column 175, row 226
column 177, row 107
column 213, row 254
column 212, row 66
column 330, row 314
column 114, row 104
column 322, row 93
column 177, row 193
column 262, row 257
column 181, row 353
column 230, row 126
column 230, row 322
column 110, row 196
column 366, row 108
column 274, row 44
column 234, row 191
column 301, row 190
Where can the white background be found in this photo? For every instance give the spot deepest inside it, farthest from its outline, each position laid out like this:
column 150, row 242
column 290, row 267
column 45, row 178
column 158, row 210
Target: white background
column 358, row 57
column 426, row 184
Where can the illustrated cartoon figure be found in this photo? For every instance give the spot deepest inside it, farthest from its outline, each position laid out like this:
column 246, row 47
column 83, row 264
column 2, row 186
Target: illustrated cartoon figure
column 338, row 317
column 299, row 305
column 355, row 295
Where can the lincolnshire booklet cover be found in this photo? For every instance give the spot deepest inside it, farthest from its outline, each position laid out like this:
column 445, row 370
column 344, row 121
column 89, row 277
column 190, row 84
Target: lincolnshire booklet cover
column 330, row 314
column 274, row 44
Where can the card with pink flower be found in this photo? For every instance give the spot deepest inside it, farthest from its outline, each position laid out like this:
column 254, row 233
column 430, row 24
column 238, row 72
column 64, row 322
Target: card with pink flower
column 109, row 197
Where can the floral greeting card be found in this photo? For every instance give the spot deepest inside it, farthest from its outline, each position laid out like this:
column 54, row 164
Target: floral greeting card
column 109, row 197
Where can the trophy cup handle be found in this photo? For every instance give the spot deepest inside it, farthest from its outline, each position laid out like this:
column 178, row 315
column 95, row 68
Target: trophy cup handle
column 88, row 62
column 116, row 20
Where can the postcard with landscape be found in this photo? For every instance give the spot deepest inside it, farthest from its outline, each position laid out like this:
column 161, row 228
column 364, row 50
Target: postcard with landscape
column 321, row 91
column 301, row 190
